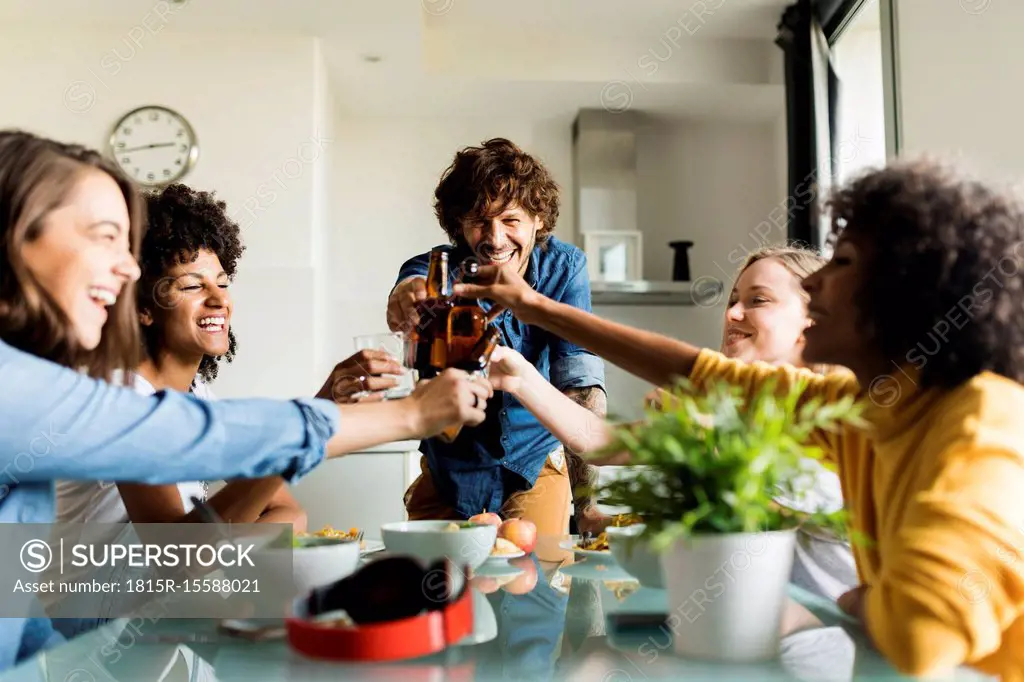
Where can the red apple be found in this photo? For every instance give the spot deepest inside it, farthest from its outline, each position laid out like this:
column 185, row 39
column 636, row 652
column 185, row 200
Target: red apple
column 486, row 519
column 520, row 532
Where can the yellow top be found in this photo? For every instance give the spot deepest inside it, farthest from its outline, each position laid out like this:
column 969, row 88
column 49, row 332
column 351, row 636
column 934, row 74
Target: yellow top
column 937, row 485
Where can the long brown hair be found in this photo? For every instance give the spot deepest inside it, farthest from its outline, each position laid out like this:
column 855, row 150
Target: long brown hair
column 36, row 177
column 800, row 262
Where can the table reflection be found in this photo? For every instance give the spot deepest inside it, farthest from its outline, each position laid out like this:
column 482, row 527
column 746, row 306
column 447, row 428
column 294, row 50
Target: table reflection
column 537, row 620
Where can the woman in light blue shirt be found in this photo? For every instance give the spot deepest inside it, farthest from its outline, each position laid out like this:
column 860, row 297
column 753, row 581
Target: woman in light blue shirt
column 69, row 234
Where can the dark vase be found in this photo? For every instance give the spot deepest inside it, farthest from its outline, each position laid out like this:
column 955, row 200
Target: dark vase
column 681, row 262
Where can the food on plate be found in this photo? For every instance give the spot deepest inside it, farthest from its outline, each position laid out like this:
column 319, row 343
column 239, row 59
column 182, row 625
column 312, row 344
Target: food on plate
column 327, row 534
column 487, row 519
column 461, row 525
column 597, row 544
column 520, row 532
column 623, row 520
column 503, row 547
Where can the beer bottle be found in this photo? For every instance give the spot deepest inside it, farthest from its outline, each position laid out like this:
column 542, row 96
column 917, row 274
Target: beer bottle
column 475, row 364
column 430, row 335
column 467, row 319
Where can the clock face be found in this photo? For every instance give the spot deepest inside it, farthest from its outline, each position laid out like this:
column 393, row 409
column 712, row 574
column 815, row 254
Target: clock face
column 154, row 146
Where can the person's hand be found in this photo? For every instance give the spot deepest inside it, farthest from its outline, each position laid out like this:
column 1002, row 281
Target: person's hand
column 852, row 602
column 357, row 378
column 448, row 399
column 402, row 314
column 506, row 288
column 507, row 370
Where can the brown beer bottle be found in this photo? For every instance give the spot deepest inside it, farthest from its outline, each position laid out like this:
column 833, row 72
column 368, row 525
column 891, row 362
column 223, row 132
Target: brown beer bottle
column 429, row 338
column 466, row 319
column 475, row 364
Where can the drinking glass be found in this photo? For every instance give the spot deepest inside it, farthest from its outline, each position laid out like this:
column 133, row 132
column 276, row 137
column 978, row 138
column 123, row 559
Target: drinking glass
column 395, row 345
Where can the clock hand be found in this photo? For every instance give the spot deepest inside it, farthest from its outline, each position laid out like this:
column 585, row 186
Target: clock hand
column 148, row 146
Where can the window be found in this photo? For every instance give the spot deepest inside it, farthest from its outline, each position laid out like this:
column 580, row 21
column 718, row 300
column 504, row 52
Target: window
column 857, row 57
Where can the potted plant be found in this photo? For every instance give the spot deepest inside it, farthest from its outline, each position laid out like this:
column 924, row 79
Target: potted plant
column 711, row 465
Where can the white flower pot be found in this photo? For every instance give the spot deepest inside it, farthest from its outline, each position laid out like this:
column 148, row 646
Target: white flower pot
column 727, row 594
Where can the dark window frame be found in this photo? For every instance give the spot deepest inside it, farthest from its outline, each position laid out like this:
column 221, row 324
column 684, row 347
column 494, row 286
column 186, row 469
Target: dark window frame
column 795, row 37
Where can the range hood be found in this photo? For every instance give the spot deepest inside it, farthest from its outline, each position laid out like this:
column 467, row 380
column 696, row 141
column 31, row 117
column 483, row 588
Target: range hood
column 605, row 201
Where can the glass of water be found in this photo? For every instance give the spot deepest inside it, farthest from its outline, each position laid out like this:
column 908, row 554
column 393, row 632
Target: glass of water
column 393, row 344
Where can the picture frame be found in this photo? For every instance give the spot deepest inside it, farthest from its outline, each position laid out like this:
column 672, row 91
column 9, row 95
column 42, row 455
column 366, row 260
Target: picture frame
column 614, row 255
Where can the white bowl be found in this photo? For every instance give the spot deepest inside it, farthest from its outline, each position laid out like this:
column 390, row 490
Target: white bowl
column 289, row 572
column 635, row 555
column 428, row 541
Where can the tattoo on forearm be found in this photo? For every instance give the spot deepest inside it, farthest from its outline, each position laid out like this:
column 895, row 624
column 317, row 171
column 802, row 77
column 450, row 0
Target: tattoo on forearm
column 582, row 474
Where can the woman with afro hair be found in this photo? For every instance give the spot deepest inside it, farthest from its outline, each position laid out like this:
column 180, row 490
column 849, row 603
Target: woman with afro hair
column 189, row 258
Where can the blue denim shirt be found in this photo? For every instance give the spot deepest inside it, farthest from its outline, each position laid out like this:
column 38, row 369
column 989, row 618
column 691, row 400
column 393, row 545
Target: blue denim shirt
column 56, row 423
column 471, row 474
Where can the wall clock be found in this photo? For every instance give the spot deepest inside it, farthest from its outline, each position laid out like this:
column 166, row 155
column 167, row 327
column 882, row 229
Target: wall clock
column 154, row 146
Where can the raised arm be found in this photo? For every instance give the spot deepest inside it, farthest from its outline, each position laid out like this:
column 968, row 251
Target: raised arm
column 56, row 423
column 580, row 429
column 653, row 357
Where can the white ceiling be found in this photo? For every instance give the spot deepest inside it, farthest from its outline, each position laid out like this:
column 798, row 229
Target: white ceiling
column 541, row 58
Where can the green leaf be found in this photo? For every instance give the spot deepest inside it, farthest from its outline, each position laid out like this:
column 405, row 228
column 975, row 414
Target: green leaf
column 717, row 458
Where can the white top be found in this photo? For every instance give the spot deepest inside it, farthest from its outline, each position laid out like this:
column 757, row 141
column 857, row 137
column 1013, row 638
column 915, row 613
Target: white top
column 100, row 501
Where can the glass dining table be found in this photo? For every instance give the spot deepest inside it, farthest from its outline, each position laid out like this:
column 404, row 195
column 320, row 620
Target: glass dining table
column 557, row 617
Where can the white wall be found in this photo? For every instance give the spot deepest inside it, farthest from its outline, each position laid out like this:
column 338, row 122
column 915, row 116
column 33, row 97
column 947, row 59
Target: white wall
column 715, row 184
column 959, row 69
column 254, row 106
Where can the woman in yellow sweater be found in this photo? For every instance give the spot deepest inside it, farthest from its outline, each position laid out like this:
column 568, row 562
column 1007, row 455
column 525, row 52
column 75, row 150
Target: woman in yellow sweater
column 922, row 301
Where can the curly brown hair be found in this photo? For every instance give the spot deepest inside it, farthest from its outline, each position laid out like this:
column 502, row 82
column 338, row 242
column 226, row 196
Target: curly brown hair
column 946, row 285
column 483, row 181
column 36, row 176
column 182, row 221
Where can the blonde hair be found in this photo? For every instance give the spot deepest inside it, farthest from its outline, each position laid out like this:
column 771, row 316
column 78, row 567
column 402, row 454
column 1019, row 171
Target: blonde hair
column 800, row 262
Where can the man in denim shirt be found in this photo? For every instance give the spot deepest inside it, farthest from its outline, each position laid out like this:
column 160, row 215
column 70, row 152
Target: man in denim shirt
column 499, row 205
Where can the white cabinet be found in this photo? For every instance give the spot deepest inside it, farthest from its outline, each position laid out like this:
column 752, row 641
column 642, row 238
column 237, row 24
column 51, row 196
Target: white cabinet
column 362, row 490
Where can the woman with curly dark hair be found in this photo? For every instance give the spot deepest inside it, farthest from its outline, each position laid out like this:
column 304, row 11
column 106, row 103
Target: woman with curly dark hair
column 188, row 259
column 922, row 301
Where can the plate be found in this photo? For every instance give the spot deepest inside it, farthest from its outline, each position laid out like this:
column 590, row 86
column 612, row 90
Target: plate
column 372, row 546
column 497, row 569
column 570, row 545
column 501, row 558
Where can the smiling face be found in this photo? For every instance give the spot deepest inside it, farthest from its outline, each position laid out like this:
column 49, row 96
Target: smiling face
column 193, row 309
column 836, row 337
column 766, row 317
column 82, row 255
column 506, row 240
